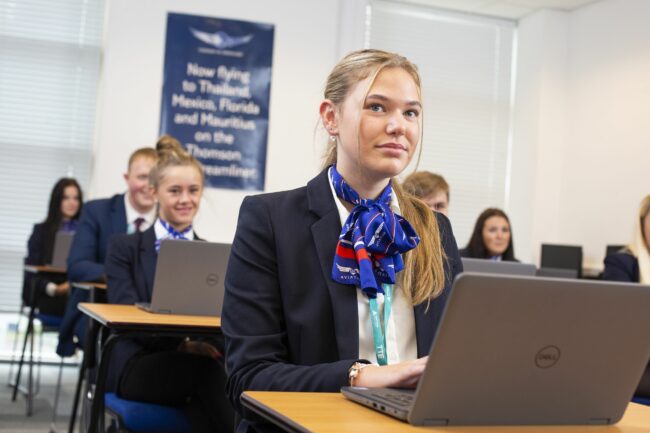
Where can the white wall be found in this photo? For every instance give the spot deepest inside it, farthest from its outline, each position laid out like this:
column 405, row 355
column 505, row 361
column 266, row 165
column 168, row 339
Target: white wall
column 305, row 49
column 581, row 141
column 581, row 125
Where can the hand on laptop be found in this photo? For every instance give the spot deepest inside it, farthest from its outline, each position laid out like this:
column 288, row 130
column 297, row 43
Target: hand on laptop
column 200, row 348
column 403, row 375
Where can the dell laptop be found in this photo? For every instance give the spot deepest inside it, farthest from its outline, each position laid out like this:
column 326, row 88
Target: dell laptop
column 62, row 243
column 498, row 267
column 515, row 350
column 196, row 287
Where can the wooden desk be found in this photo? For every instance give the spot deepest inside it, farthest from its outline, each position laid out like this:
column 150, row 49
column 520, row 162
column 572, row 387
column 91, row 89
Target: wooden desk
column 129, row 321
column 332, row 413
column 38, row 269
column 88, row 285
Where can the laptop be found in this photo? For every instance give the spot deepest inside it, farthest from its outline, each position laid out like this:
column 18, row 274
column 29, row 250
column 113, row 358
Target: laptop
column 557, row 273
column 514, row 350
column 189, row 278
column 62, row 243
column 497, row 267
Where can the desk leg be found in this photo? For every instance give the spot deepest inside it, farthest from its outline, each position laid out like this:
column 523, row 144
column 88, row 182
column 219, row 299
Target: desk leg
column 30, row 330
column 88, row 357
column 97, row 409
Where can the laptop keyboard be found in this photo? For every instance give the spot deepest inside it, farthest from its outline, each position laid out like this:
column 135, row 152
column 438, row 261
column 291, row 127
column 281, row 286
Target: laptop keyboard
column 398, row 399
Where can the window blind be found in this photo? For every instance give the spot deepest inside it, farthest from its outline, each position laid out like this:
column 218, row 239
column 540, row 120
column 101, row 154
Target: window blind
column 50, row 54
column 466, row 65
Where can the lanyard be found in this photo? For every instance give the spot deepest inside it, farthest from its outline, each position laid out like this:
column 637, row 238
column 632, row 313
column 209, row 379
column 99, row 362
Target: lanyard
column 378, row 335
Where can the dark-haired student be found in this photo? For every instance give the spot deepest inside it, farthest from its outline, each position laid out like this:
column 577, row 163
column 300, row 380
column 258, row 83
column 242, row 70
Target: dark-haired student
column 342, row 281
column 100, row 220
column 168, row 371
column 51, row 291
column 491, row 238
column 632, row 264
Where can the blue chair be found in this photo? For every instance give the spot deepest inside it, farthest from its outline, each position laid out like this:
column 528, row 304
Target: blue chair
column 138, row 417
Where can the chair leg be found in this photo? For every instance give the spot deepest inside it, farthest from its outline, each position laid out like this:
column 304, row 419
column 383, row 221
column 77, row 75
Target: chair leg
column 30, row 324
column 56, row 398
column 30, row 379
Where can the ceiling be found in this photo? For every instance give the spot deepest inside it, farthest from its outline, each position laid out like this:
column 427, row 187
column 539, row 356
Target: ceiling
column 512, row 9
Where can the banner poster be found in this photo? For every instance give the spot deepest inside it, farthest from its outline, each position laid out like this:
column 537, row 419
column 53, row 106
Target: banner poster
column 216, row 91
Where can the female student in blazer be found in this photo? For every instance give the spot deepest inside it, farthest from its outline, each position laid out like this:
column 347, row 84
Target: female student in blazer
column 491, row 238
column 297, row 318
column 51, row 291
column 165, row 371
column 632, row 264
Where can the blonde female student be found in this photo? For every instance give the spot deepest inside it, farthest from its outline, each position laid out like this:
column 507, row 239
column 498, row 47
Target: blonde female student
column 308, row 266
column 176, row 372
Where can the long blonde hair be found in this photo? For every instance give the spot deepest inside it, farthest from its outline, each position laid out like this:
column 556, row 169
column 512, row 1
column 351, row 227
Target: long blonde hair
column 423, row 277
column 639, row 244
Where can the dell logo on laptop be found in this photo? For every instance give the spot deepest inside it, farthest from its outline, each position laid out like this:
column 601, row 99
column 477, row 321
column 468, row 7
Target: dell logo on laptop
column 212, row 279
column 547, row 357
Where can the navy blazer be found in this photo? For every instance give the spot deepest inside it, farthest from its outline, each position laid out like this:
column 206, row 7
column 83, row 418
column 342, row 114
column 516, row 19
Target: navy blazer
column 130, row 270
column 621, row 267
column 288, row 326
column 100, row 220
column 39, row 252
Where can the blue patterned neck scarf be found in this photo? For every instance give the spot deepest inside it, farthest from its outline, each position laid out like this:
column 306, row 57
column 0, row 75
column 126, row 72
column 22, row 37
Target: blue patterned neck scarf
column 172, row 233
column 372, row 240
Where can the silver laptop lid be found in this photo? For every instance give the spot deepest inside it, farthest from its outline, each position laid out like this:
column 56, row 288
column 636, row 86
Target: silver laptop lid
column 190, row 278
column 62, row 243
column 531, row 350
column 498, row 267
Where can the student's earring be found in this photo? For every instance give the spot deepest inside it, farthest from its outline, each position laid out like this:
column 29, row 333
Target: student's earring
column 332, row 138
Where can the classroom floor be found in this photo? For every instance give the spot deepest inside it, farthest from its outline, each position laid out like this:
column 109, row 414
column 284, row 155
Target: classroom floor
column 12, row 414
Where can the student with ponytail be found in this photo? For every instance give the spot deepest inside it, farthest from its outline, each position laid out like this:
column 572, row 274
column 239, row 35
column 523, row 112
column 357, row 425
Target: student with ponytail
column 174, row 372
column 342, row 281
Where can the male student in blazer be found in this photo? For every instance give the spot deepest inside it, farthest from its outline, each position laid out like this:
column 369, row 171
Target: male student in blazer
column 100, row 220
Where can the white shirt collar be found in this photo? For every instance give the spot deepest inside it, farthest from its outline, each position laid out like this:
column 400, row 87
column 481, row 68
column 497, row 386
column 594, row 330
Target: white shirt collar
column 132, row 215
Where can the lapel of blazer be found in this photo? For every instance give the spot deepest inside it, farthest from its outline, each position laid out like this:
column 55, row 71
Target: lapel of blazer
column 148, row 258
column 326, row 231
column 118, row 214
column 423, row 327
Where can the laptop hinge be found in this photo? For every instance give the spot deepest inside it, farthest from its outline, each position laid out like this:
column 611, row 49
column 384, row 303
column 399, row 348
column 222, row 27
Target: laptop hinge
column 599, row 421
column 435, row 421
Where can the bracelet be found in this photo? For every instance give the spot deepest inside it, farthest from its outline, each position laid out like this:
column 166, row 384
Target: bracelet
column 354, row 370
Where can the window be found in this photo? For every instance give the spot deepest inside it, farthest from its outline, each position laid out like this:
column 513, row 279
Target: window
column 50, row 54
column 466, row 66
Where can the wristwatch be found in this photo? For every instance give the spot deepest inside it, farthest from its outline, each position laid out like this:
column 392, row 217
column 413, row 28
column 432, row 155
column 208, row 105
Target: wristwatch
column 353, row 372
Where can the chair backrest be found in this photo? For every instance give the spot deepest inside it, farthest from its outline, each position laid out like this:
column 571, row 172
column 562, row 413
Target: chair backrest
column 562, row 256
column 611, row 249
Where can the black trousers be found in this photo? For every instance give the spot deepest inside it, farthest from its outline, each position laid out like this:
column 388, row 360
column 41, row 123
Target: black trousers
column 174, row 378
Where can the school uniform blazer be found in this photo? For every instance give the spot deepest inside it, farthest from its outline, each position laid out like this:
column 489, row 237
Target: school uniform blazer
column 621, row 267
column 288, row 326
column 130, row 269
column 39, row 252
column 99, row 221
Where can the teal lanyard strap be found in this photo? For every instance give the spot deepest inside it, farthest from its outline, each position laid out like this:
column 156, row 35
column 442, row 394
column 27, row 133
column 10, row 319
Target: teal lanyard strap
column 378, row 336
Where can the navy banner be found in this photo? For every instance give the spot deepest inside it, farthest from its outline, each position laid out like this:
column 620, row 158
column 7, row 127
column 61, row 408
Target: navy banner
column 216, row 90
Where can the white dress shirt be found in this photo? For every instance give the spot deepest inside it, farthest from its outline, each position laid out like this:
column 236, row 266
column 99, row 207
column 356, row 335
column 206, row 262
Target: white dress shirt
column 132, row 215
column 401, row 344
